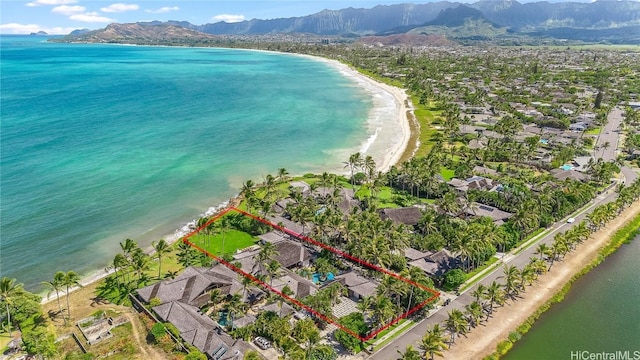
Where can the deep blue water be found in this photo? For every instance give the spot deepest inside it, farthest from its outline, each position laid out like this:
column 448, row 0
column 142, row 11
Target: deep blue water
column 103, row 142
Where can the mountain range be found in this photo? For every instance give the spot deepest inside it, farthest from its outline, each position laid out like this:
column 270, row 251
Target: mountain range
column 611, row 21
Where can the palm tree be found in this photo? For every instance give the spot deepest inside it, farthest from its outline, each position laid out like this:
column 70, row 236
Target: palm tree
column 369, row 166
column 57, row 285
column 456, row 324
column 364, row 305
column 119, row 262
column 282, row 174
column 128, row 247
column 433, row 342
column 604, row 147
column 474, row 312
column 70, row 279
column 161, row 247
column 494, row 295
column 9, row 289
column 355, row 161
column 215, row 297
column 511, row 275
column 268, row 252
column 409, row 353
column 543, row 250
column 480, row 292
column 286, row 290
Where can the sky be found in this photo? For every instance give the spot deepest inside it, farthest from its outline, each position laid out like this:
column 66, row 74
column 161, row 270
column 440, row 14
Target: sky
column 64, row 16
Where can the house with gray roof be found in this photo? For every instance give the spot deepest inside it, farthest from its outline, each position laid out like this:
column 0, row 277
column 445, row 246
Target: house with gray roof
column 562, row 175
column 358, row 286
column 498, row 216
column 192, row 286
column 200, row 331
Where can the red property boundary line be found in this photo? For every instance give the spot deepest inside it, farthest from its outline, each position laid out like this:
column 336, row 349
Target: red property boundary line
column 372, row 334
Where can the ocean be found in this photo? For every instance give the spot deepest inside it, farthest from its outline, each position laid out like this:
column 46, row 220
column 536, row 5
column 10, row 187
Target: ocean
column 100, row 143
column 600, row 314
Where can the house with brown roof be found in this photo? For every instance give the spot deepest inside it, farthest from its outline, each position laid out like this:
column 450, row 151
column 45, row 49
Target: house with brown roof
column 437, row 264
column 406, row 215
column 291, row 254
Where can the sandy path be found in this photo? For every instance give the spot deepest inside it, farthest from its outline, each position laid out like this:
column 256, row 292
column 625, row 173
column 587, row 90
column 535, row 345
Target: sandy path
column 483, row 340
column 148, row 352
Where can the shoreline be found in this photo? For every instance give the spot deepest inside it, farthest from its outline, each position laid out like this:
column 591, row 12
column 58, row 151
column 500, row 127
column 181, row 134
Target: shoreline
column 391, row 154
column 483, row 340
column 400, row 118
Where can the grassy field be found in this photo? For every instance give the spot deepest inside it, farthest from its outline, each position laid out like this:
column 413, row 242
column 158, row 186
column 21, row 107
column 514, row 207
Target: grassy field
column 232, row 240
column 426, row 116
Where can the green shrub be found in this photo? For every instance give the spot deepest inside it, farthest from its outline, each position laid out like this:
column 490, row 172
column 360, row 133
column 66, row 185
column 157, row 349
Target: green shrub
column 503, row 347
column 158, row 330
column 155, row 302
column 454, row 278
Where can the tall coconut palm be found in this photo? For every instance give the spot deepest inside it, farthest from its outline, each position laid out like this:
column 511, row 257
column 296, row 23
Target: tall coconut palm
column 161, row 247
column 267, row 253
column 70, row 279
column 511, row 275
column 9, row 289
column 494, row 295
column 543, row 250
column 456, row 324
column 480, row 292
column 433, row 343
column 409, row 353
column 282, row 174
column 354, row 162
column 128, row 247
column 57, row 285
column 474, row 313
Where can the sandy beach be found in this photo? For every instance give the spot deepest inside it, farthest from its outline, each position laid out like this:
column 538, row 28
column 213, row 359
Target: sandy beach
column 482, row 341
column 388, row 120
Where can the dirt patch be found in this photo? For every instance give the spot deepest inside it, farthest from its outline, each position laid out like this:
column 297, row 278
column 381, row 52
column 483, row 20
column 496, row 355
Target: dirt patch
column 84, row 303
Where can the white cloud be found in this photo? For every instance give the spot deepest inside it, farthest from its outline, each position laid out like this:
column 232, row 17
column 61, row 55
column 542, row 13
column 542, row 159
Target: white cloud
column 228, row 18
column 17, row 29
column 163, row 10
column 119, row 7
column 68, row 10
column 91, row 17
column 50, row 2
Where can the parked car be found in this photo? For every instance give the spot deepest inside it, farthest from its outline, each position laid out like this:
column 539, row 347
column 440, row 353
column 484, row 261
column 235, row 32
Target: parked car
column 262, row 343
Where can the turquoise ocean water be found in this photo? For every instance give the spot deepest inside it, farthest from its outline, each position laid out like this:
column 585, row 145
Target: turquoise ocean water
column 103, row 142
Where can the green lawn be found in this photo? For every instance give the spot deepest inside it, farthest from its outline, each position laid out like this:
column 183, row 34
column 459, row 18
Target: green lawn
column 400, row 324
column 447, row 174
column 232, row 239
column 595, row 131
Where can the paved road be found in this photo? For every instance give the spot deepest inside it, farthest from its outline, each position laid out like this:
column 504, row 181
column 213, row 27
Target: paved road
column 413, row 336
column 609, row 134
